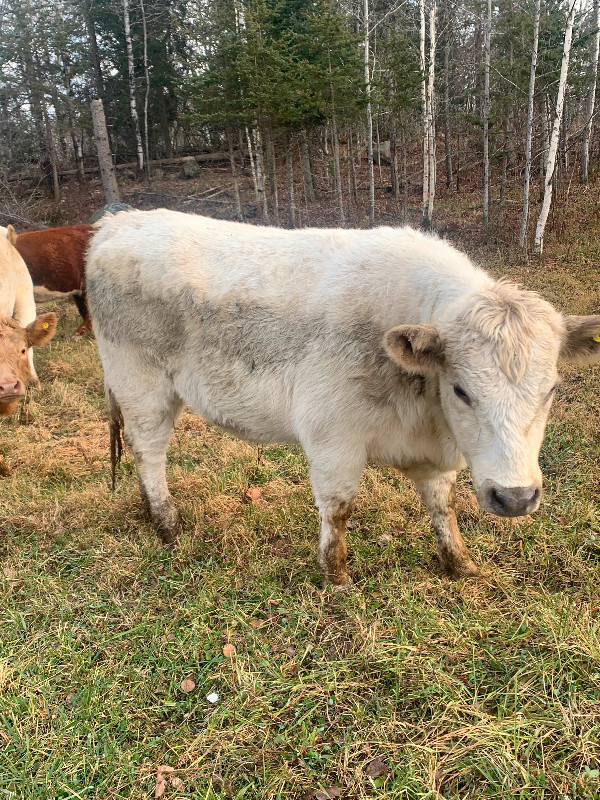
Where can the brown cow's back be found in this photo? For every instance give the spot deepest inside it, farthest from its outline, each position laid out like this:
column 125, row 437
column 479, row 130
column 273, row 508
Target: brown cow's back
column 55, row 257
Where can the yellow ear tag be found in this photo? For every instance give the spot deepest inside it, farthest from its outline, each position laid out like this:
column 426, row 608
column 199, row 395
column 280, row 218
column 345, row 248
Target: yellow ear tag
column 597, row 337
column 45, row 325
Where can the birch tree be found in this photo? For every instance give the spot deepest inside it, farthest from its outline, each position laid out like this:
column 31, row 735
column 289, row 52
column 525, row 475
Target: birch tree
column 591, row 99
column 529, row 134
column 486, row 116
column 428, row 111
column 538, row 244
column 369, row 117
column 132, row 100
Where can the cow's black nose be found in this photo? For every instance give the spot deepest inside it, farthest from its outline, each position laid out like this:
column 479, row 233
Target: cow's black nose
column 514, row 501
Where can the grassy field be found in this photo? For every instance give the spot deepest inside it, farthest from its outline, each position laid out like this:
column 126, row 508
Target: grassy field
column 413, row 686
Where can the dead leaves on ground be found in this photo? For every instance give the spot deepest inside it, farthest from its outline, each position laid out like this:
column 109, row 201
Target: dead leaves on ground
column 188, row 685
column 255, row 496
column 376, row 768
column 161, row 780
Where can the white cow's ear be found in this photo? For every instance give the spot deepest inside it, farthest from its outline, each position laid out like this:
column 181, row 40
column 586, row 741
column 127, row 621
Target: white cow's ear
column 581, row 342
column 417, row 348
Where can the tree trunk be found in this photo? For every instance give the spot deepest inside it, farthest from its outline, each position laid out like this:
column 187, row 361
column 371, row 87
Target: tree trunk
column 394, row 160
column 107, row 170
column 526, row 180
column 336, row 151
column 252, row 167
column 97, row 82
column 132, row 100
column 591, row 99
column 447, row 132
column 234, row 176
column 309, row 187
column 260, row 173
column 146, row 89
column 289, row 165
column 369, row 118
column 431, row 110
column 486, row 117
column 538, row 244
column 272, row 167
column 427, row 103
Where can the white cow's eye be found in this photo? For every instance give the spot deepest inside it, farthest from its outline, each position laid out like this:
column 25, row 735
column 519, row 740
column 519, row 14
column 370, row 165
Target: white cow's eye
column 459, row 392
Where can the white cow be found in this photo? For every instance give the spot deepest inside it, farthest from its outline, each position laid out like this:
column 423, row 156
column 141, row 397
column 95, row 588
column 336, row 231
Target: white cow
column 376, row 345
column 16, row 288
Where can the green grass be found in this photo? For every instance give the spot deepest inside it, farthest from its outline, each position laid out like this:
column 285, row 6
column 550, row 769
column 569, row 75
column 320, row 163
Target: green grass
column 464, row 689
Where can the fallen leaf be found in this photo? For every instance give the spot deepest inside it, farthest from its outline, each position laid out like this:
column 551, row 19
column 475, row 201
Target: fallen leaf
column 176, row 783
column 327, row 794
column 376, row 768
column 188, row 685
column 255, row 495
column 291, row 651
column 256, row 623
column 350, row 524
column 384, row 538
column 165, row 768
column 228, row 650
column 10, row 573
column 212, row 697
column 160, row 787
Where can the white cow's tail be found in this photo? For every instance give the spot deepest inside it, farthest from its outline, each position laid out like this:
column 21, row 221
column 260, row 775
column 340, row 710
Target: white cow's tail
column 115, row 424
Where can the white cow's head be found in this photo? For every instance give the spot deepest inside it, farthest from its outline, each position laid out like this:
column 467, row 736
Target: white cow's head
column 496, row 362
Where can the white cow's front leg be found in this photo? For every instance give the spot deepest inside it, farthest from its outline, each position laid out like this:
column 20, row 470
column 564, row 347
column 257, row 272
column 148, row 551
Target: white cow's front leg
column 335, row 483
column 148, row 437
column 438, row 492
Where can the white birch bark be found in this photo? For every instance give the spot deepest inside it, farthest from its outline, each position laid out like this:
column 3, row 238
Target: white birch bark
column 425, row 220
column 252, row 167
column 428, row 111
column 146, row 89
column 369, row 118
column 260, row 173
column 538, row 244
column 486, row 116
column 132, row 101
column 591, row 100
column 431, row 111
column 528, row 140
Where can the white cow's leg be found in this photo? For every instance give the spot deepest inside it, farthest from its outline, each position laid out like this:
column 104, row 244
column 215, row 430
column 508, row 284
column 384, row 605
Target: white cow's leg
column 438, row 492
column 335, row 483
column 148, row 436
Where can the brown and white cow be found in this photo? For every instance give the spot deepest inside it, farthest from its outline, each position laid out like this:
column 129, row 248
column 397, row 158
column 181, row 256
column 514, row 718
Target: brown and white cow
column 377, row 345
column 19, row 328
column 55, row 258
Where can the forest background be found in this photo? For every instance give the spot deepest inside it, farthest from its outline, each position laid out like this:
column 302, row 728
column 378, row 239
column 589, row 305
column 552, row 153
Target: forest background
column 434, row 97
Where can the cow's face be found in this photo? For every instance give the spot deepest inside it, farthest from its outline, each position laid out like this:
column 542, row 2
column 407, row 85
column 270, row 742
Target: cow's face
column 496, row 364
column 15, row 370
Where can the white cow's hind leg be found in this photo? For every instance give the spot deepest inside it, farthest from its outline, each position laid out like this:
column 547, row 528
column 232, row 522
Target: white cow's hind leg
column 335, row 483
column 438, row 492
column 148, row 434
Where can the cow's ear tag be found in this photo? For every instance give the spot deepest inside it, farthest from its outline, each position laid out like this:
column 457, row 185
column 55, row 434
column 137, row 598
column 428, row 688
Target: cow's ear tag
column 45, row 325
column 597, row 337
